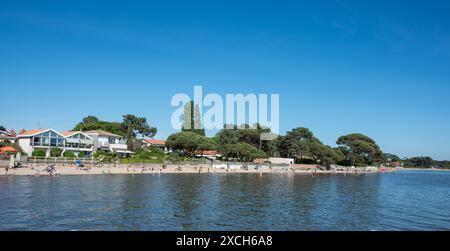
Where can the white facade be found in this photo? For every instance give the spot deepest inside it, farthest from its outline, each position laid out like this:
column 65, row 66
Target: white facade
column 106, row 141
column 282, row 161
column 47, row 139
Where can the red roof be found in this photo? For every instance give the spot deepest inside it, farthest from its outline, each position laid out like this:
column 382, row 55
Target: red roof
column 68, row 133
column 32, row 132
column 155, row 142
column 207, row 152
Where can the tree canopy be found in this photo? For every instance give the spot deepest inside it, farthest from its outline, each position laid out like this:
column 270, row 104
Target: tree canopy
column 88, row 125
column 133, row 125
column 359, row 149
column 242, row 152
column 189, row 143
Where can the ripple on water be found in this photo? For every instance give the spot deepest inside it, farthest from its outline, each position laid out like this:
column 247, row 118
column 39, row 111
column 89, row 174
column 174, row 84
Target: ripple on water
column 405, row 201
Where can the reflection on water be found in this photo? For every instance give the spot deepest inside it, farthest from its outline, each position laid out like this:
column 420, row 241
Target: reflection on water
column 409, row 200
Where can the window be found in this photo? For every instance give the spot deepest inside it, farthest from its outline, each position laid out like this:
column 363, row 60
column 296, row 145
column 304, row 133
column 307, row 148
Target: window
column 45, row 141
column 36, row 141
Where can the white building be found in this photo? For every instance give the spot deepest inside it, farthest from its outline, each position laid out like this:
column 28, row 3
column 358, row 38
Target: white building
column 46, row 139
column 110, row 142
column 6, row 136
column 78, row 142
column 281, row 161
column 72, row 141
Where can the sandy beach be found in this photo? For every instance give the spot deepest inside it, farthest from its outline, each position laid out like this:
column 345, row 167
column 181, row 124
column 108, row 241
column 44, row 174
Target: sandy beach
column 40, row 169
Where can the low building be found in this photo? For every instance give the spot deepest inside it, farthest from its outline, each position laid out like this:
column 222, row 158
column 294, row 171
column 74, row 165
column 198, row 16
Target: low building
column 73, row 141
column 43, row 139
column 78, row 142
column 209, row 154
column 282, row 161
column 7, row 137
column 109, row 142
column 161, row 144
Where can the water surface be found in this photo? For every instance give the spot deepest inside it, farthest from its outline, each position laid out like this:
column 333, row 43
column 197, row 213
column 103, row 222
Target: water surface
column 409, row 200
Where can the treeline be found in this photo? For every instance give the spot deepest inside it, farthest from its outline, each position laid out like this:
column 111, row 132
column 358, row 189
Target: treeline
column 245, row 144
column 425, row 162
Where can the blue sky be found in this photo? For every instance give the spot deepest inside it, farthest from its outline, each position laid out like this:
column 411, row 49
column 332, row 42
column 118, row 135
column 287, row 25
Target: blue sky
column 381, row 68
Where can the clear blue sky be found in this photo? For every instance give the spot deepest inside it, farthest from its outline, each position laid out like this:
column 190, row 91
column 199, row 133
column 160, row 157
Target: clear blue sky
column 381, row 68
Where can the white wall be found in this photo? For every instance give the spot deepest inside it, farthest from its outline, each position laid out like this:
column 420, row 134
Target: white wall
column 25, row 144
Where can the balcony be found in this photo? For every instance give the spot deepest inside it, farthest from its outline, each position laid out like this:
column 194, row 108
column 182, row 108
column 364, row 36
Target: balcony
column 80, row 141
column 118, row 146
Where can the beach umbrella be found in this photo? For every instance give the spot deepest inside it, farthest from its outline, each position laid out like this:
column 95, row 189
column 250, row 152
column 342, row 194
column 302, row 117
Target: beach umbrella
column 8, row 149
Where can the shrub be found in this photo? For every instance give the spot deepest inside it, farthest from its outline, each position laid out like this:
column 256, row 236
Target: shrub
column 69, row 154
column 105, row 156
column 55, row 152
column 38, row 153
column 81, row 155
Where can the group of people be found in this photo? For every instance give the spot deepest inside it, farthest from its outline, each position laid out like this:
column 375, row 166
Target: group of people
column 50, row 169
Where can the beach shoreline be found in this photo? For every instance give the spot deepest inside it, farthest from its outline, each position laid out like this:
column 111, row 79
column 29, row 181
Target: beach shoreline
column 40, row 170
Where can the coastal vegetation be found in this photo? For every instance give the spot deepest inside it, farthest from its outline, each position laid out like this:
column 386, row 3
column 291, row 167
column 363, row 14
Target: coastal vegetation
column 426, row 162
column 245, row 143
column 236, row 143
column 189, row 143
column 68, row 154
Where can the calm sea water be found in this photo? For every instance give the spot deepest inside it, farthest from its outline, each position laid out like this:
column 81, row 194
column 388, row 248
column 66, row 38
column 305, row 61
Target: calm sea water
column 409, row 200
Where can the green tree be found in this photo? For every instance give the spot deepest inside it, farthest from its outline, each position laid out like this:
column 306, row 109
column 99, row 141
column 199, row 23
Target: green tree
column 392, row 157
column 243, row 152
column 90, row 120
column 112, row 127
column 133, row 125
column 189, row 143
column 233, row 134
column 420, row 162
column 324, row 154
column 360, row 150
column 2, row 128
column 296, row 143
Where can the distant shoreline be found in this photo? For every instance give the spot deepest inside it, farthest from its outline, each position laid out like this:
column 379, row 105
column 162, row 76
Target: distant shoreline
column 425, row 169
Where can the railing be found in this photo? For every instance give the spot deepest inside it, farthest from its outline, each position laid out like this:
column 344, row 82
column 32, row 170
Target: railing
column 80, row 141
column 59, row 159
column 103, row 144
